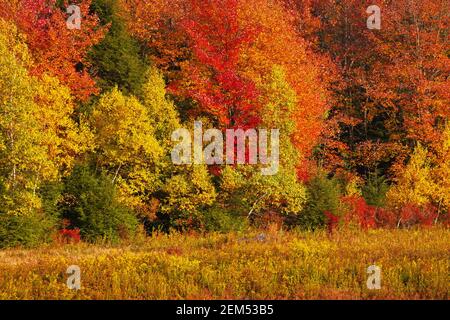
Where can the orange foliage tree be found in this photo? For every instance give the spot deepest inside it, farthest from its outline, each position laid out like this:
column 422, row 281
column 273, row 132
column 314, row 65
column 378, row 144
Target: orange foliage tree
column 156, row 24
column 278, row 43
column 212, row 76
column 162, row 27
column 56, row 49
column 394, row 86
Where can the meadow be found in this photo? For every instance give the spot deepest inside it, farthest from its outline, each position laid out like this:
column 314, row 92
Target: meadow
column 275, row 264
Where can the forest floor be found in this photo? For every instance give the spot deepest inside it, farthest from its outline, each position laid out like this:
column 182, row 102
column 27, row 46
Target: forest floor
column 414, row 264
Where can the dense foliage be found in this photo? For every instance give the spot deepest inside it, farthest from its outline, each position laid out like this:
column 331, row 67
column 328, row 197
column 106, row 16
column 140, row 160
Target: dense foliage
column 87, row 115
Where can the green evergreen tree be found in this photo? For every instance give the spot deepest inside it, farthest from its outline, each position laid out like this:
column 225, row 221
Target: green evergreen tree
column 375, row 189
column 323, row 196
column 116, row 60
column 90, row 203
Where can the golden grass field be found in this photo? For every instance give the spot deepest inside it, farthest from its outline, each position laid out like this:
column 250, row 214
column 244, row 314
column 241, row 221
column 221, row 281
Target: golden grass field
column 415, row 264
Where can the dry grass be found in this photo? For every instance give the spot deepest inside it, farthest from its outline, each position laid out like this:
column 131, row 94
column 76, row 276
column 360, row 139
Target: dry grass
column 415, row 264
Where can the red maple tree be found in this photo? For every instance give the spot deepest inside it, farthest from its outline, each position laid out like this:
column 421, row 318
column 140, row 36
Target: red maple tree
column 56, row 50
column 214, row 81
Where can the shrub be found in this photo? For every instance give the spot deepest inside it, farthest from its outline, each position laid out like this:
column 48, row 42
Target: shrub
column 222, row 220
column 50, row 194
column 360, row 212
column 90, row 203
column 332, row 221
column 386, row 218
column 270, row 220
column 25, row 230
column 323, row 196
column 69, row 235
column 375, row 190
column 368, row 217
column 412, row 215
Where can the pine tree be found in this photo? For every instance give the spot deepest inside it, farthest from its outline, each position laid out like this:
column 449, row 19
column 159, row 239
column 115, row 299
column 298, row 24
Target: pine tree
column 116, row 60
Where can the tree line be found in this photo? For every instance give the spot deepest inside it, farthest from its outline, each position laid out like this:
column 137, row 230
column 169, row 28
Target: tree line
column 86, row 115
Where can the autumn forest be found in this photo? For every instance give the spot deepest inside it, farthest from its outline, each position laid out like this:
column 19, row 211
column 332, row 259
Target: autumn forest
column 91, row 92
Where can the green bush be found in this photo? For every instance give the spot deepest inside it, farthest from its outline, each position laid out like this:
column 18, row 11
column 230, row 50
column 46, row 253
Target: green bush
column 50, row 195
column 28, row 229
column 375, row 189
column 323, row 195
column 222, row 220
column 25, row 230
column 90, row 204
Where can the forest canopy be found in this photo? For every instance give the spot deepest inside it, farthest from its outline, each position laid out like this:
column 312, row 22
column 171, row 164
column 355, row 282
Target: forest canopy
column 87, row 115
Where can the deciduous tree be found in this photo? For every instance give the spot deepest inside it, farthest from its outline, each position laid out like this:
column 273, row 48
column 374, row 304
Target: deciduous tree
column 126, row 146
column 56, row 50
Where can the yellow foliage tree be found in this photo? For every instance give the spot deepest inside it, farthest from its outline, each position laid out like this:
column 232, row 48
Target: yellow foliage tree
column 63, row 138
column 185, row 189
column 415, row 185
column 38, row 138
column 163, row 115
column 126, row 146
column 441, row 173
column 21, row 155
column 189, row 191
column 281, row 192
